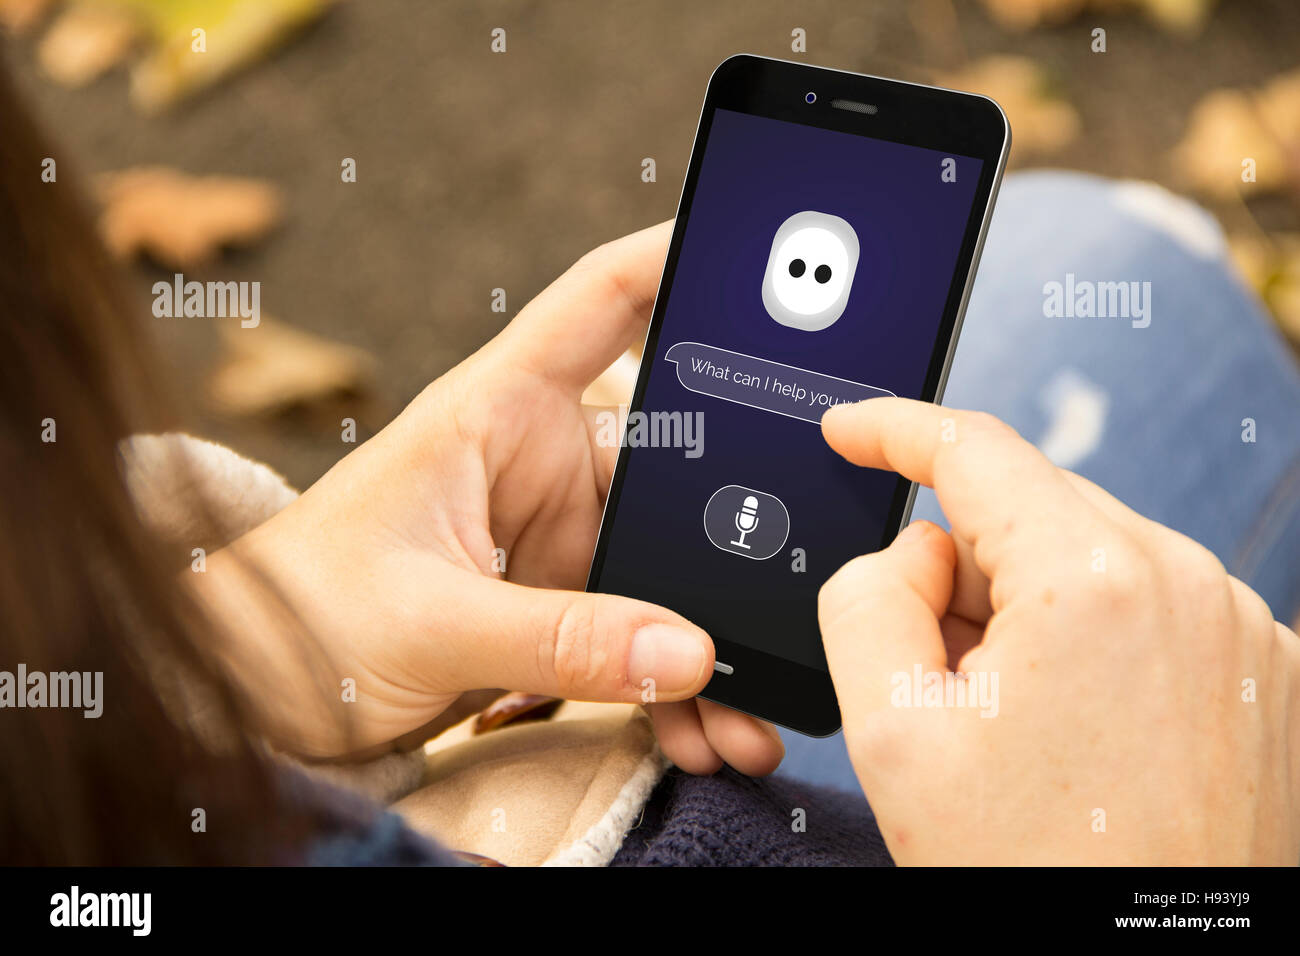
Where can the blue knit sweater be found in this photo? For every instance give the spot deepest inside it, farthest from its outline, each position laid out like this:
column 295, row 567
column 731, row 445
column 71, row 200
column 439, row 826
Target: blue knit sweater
column 724, row 820
column 732, row 820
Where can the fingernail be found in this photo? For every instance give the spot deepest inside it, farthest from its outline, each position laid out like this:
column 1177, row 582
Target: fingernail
column 832, row 412
column 842, row 407
column 671, row 657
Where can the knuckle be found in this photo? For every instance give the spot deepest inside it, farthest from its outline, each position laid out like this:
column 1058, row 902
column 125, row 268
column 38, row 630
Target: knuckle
column 1129, row 589
column 845, row 588
column 977, row 423
column 1198, row 579
column 604, row 268
column 1198, row 567
column 572, row 655
column 1286, row 644
column 1251, row 609
column 975, row 432
column 1126, row 581
column 593, row 261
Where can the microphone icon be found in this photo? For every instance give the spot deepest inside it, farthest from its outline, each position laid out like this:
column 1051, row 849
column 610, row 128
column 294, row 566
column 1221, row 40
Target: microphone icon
column 746, row 519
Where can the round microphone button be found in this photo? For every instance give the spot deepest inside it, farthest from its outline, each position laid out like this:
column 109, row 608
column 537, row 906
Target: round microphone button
column 746, row 521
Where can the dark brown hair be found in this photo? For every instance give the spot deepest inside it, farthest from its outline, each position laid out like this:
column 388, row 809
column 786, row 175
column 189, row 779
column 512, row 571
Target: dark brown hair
column 82, row 587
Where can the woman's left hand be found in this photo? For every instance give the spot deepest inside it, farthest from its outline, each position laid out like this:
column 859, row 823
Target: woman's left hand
column 446, row 554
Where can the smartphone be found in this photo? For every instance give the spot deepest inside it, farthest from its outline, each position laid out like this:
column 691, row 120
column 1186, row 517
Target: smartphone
column 824, row 250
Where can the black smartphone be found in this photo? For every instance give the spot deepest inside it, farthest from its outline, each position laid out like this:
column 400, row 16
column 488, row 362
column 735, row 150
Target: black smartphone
column 825, row 245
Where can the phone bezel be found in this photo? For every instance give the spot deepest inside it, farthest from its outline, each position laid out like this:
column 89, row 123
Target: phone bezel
column 773, row 688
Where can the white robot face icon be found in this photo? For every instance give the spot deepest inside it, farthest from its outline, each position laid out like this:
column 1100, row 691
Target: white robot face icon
column 810, row 271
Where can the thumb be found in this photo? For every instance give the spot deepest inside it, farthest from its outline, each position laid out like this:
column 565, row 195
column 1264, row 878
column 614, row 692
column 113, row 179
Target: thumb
column 880, row 616
column 599, row 647
column 586, row 318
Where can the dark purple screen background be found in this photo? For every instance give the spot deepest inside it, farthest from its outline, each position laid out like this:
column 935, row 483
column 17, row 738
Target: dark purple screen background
column 756, row 173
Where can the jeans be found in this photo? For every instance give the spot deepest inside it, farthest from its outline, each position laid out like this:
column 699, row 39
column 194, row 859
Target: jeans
column 1192, row 420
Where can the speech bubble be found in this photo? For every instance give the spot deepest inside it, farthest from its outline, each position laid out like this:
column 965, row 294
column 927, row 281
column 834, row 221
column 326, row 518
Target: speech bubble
column 759, row 383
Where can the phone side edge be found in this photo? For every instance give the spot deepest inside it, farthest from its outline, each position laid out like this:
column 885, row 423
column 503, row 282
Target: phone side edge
column 970, row 280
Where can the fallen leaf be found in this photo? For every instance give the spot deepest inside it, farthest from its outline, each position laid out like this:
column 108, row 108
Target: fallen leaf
column 1228, row 127
column 1180, row 16
column 1041, row 122
column 85, row 41
column 182, row 221
column 272, row 367
column 1223, row 130
column 1271, row 266
column 1026, row 14
column 516, row 707
column 235, row 33
column 1284, row 302
column 18, row 16
column 1279, row 110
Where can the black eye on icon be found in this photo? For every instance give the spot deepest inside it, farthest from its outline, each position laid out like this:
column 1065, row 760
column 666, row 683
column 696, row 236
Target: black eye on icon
column 822, row 273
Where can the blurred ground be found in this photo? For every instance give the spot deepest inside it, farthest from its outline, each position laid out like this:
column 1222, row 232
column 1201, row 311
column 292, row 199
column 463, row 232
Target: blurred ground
column 477, row 170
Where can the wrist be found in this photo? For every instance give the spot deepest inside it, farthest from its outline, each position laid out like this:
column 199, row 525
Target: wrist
column 267, row 651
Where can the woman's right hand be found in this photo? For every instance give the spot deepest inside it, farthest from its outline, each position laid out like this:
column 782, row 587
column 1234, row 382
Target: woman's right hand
column 1141, row 705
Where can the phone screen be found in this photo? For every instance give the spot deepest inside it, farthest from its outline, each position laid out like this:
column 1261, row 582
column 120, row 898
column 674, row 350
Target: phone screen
column 814, row 269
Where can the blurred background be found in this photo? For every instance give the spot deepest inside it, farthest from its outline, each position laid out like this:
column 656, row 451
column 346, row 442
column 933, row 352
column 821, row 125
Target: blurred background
column 216, row 135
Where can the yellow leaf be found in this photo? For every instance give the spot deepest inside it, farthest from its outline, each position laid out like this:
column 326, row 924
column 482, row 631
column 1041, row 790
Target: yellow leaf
column 1271, row 266
column 235, row 33
column 1027, row 14
column 1285, row 305
column 1283, row 296
column 1179, row 16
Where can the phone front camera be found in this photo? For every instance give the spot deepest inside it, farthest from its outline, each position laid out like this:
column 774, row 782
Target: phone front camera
column 810, row 98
